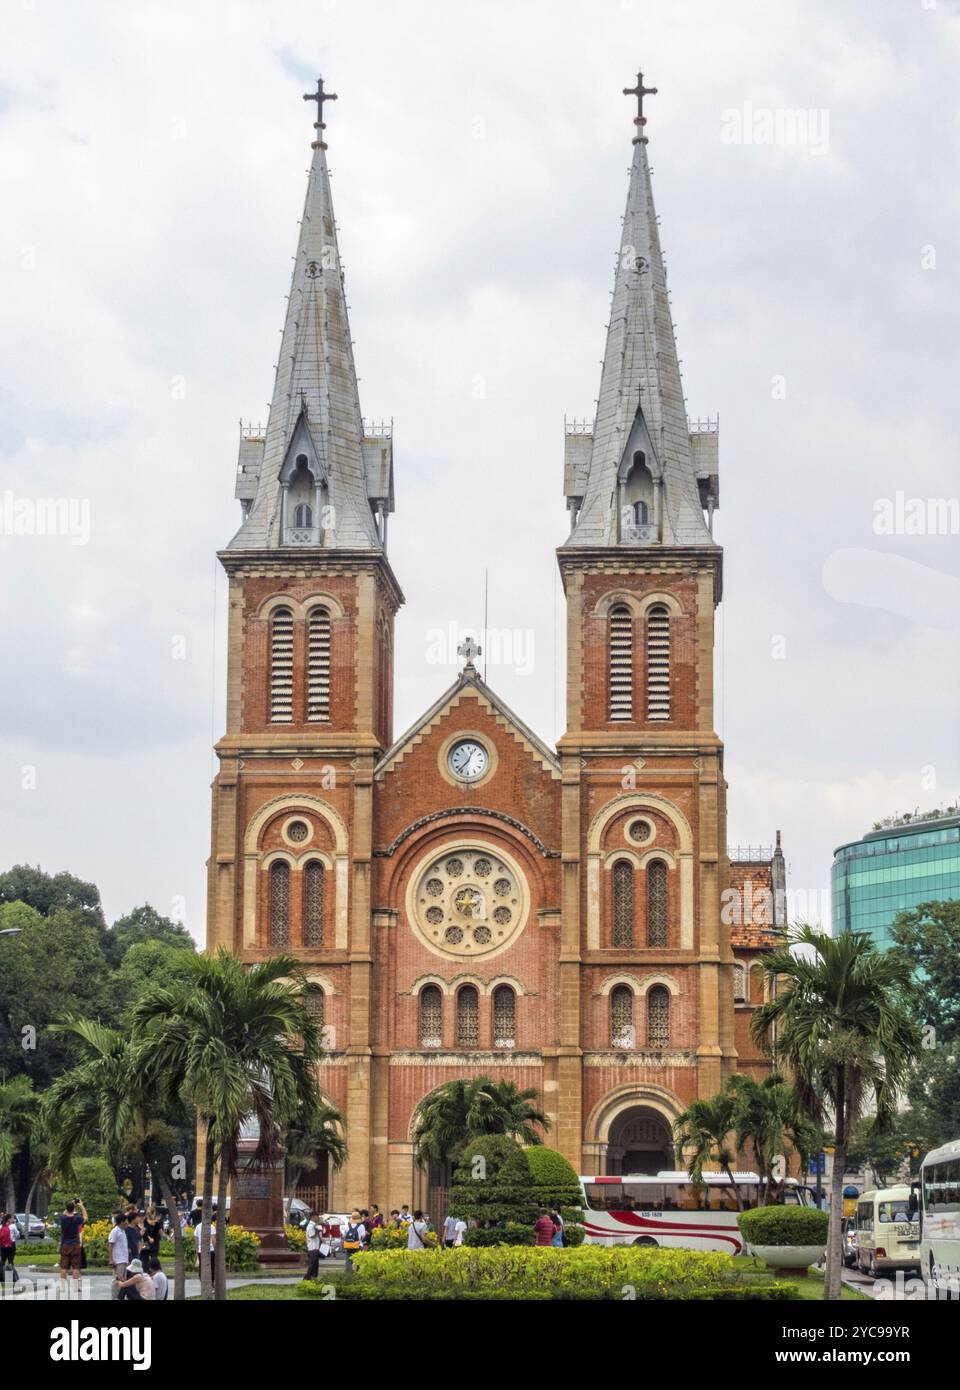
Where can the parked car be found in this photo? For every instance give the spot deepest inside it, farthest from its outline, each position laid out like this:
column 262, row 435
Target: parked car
column 34, row 1227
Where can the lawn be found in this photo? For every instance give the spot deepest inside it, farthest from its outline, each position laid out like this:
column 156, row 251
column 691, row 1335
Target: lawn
column 810, row 1287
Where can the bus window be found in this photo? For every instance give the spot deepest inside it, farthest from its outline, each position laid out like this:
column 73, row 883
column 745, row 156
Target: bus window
column 686, row 1197
column 951, row 1185
column 725, row 1198
column 864, row 1216
column 646, row 1196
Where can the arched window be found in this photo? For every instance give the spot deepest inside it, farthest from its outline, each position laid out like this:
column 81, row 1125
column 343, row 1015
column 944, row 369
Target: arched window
column 315, row 1002
column 431, row 1016
column 303, row 514
column 281, row 666
column 468, row 1017
column 504, row 1016
column 279, row 903
column 739, row 983
column 313, row 893
column 621, row 663
column 658, row 1017
column 656, row 903
column 658, row 662
column 623, row 903
column 318, row 665
column 641, row 513
column 622, row 1032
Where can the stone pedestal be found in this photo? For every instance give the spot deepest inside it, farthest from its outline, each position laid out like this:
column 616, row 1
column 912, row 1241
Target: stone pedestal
column 256, row 1203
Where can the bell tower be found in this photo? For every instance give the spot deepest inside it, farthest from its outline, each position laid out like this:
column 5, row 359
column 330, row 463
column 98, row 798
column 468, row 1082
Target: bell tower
column 644, row 819
column 312, row 601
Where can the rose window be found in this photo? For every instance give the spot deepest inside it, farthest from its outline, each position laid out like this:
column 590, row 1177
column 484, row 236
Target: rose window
column 469, row 902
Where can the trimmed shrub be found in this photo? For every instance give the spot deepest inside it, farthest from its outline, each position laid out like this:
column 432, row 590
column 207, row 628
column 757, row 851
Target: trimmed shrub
column 511, row 1234
column 784, row 1226
column 591, row 1275
column 492, row 1183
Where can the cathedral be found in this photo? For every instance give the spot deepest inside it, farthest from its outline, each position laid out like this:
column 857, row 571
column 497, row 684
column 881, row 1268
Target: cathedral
column 464, row 898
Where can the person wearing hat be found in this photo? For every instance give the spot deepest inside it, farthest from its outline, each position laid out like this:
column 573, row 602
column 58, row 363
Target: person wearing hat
column 138, row 1285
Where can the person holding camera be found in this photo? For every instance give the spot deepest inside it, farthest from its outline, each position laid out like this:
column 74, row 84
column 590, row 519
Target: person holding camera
column 72, row 1223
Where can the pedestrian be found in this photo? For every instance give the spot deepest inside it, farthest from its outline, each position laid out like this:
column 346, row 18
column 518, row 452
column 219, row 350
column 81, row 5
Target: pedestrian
column 134, row 1232
column 313, row 1246
column 152, row 1232
column 211, row 1228
column 354, row 1236
column 71, row 1244
column 449, row 1231
column 416, row 1231
column 119, row 1252
column 160, row 1281
column 460, row 1232
column 137, row 1286
column 405, row 1217
column 558, row 1235
column 376, row 1218
column 395, row 1221
column 8, row 1249
column 544, row 1228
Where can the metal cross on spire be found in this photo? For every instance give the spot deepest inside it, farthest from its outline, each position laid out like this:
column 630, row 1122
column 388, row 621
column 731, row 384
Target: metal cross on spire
column 640, row 91
column 319, row 96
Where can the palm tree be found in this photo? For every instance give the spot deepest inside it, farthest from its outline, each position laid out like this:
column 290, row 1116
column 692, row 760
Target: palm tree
column 846, row 1032
column 768, row 1118
column 703, row 1132
column 239, row 1042
column 301, row 1148
column 107, row 1092
column 463, row 1110
column 17, row 1109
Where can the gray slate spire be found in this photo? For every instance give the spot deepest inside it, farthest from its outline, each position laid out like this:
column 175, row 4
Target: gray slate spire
column 315, row 411
column 641, row 405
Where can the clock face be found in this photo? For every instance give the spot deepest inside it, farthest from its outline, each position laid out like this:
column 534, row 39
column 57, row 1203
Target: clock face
column 468, row 760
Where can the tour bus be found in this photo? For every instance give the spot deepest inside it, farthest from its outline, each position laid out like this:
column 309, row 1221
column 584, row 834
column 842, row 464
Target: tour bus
column 668, row 1210
column 940, row 1223
column 887, row 1230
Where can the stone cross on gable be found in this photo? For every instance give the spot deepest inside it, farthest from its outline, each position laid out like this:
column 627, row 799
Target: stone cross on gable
column 469, row 649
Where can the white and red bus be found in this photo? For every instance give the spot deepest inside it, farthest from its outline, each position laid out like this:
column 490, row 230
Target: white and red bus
column 668, row 1210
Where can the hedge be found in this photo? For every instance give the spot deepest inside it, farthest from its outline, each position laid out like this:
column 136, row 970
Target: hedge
column 620, row 1273
column 492, row 1183
column 784, row 1226
column 513, row 1233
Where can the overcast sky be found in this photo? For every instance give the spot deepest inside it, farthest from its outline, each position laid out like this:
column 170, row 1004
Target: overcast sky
column 153, row 161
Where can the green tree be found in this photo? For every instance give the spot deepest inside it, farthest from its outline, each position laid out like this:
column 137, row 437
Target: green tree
column 55, row 967
column 883, row 1151
column 929, row 939
column 492, row 1182
column 18, row 1107
column 155, row 964
column 145, row 924
column 768, row 1119
column 47, row 892
column 703, row 1133
column 302, row 1148
column 110, row 1095
column 463, row 1110
column 840, row 1012
column 239, row 1042
column 92, row 1180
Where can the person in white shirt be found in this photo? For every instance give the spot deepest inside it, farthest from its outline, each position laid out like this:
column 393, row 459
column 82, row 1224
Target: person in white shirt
column 119, row 1252
column 449, row 1231
column 460, row 1231
column 211, row 1229
column 160, row 1281
column 313, row 1246
column 416, row 1232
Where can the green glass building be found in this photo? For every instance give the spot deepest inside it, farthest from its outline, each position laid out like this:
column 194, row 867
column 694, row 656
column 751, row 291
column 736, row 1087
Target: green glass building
column 894, row 870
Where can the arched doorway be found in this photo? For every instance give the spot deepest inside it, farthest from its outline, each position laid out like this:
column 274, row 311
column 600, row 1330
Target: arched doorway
column 640, row 1142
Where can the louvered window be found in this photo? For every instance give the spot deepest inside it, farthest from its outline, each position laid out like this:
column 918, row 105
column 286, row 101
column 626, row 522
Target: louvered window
column 623, row 903
column 656, row 903
column 658, row 1017
column 281, row 666
column 621, row 663
column 621, row 1017
column 431, row 1016
column 468, row 1017
column 318, row 665
column 504, row 1016
column 658, row 663
column 313, row 889
column 279, row 903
